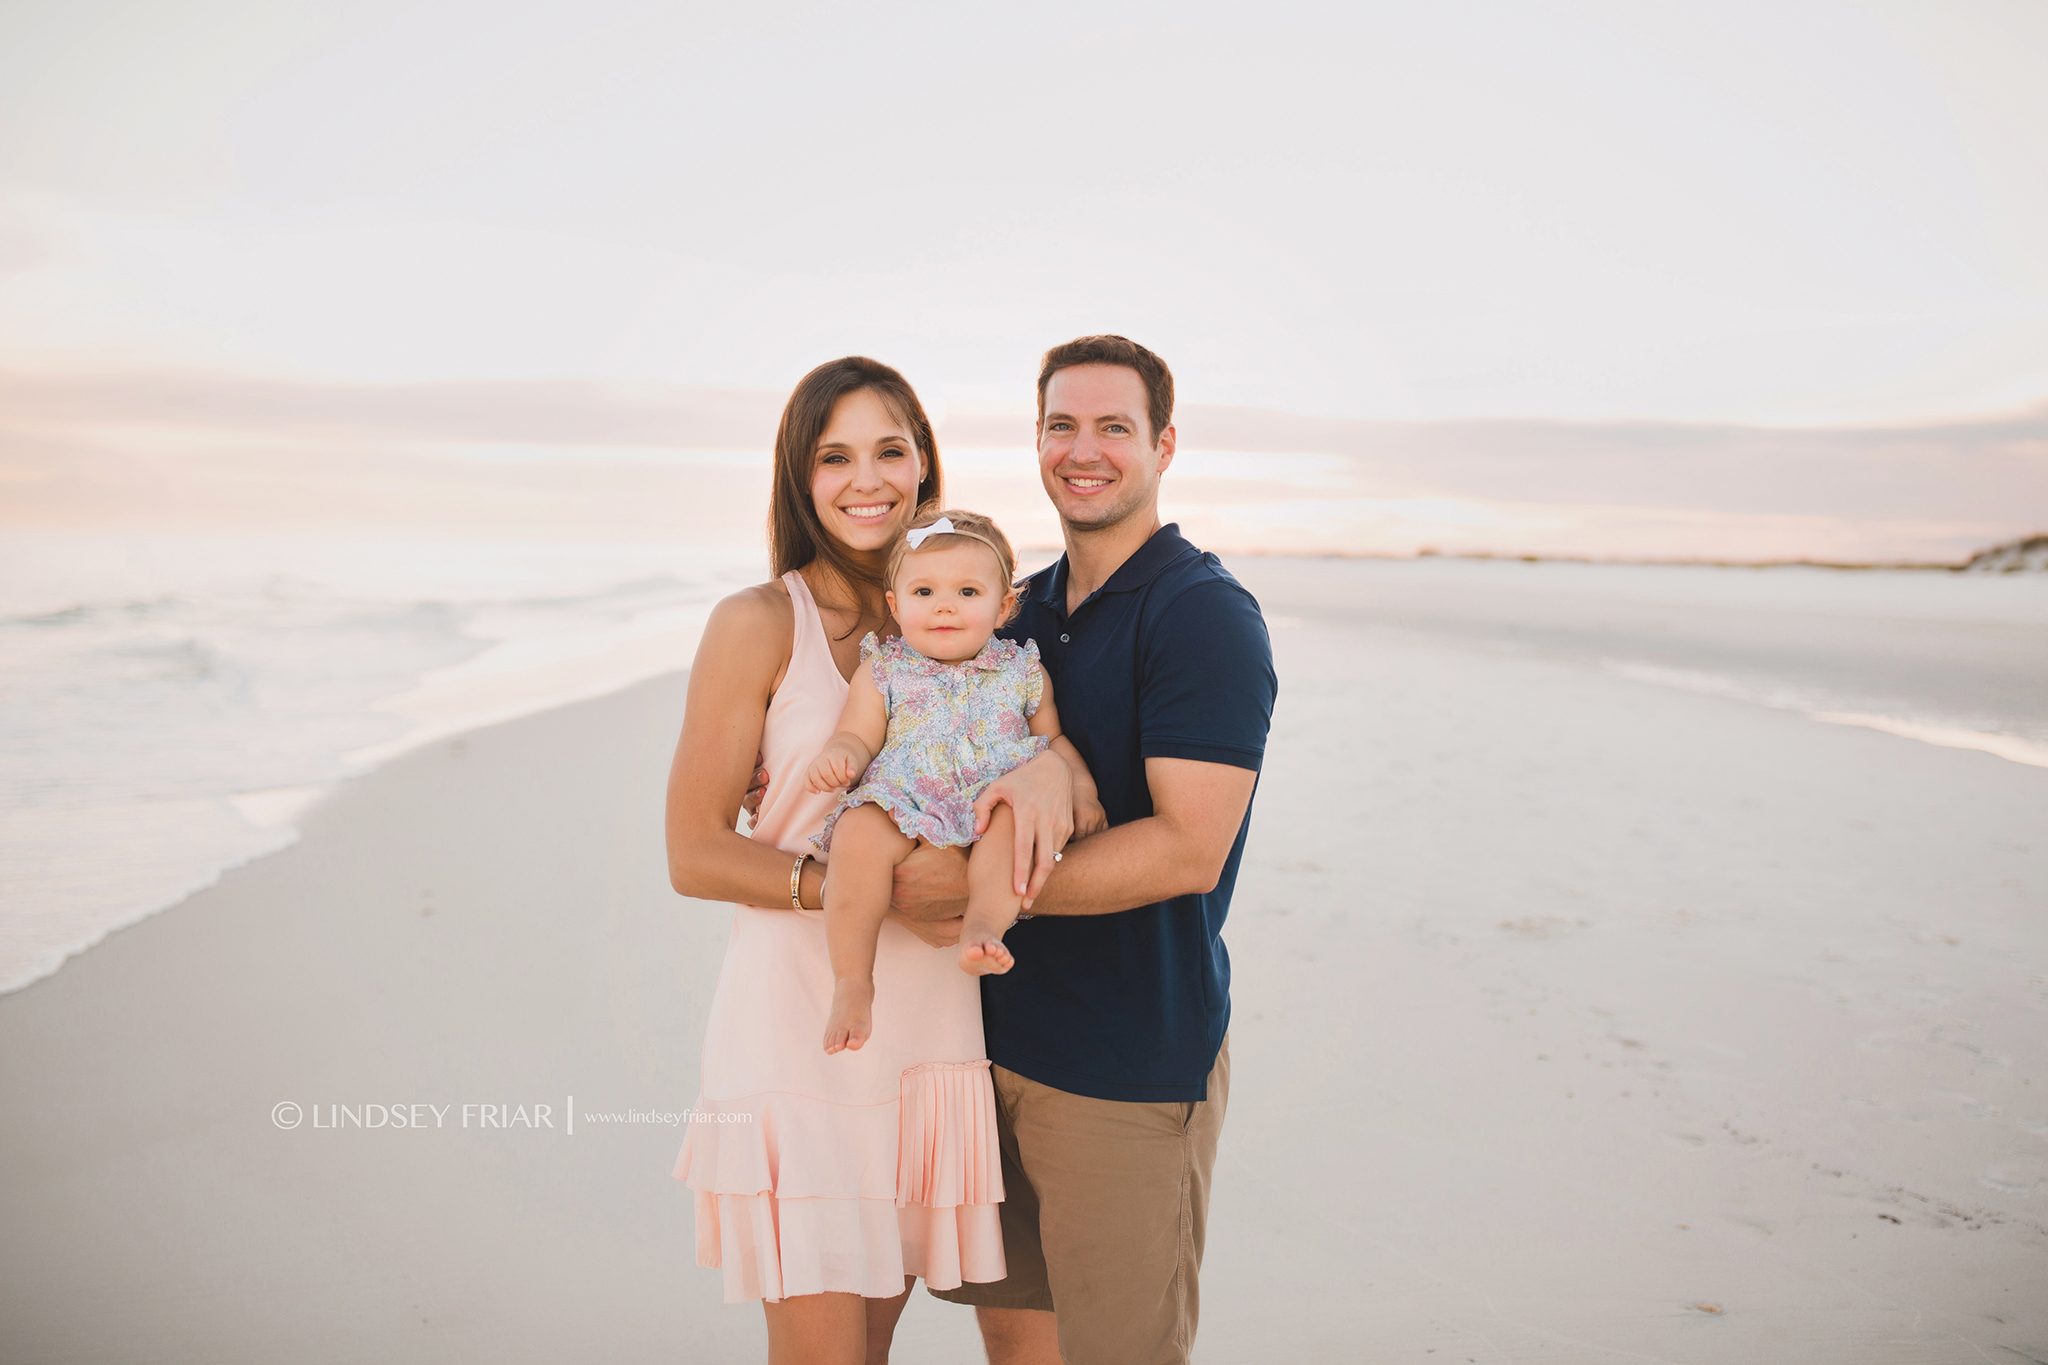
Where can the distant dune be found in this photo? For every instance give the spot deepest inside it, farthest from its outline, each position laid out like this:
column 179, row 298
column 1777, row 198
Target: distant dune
column 158, row 449
column 2020, row 556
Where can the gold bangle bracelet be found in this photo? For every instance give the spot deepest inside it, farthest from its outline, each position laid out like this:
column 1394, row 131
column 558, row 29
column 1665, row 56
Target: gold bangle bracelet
column 796, row 882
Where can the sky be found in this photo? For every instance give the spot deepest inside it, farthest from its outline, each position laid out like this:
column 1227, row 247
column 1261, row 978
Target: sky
column 1770, row 212
column 1806, row 215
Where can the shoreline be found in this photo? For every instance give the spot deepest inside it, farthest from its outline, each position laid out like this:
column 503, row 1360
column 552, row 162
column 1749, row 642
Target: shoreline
column 1507, row 557
column 1513, row 557
column 448, row 702
column 284, row 810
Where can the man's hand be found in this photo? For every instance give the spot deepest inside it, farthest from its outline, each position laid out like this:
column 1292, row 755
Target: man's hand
column 1041, row 797
column 930, row 894
column 757, row 787
column 931, row 888
column 937, row 933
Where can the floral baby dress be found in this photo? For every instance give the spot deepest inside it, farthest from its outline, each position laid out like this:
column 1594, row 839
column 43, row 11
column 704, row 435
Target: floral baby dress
column 953, row 729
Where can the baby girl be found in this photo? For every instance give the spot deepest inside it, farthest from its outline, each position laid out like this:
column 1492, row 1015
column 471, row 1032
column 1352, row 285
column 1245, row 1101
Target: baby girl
column 934, row 718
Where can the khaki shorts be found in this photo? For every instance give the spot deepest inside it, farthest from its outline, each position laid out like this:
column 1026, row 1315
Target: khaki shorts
column 1106, row 1211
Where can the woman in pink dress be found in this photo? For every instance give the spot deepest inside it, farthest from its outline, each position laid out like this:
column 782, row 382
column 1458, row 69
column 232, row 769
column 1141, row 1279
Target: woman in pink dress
column 824, row 1183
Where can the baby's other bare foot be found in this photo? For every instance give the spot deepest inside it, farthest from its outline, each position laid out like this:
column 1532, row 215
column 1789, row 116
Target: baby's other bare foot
column 985, row 957
column 852, row 1016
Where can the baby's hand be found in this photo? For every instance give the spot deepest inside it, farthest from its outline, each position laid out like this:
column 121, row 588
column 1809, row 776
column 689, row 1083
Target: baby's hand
column 836, row 769
column 1089, row 816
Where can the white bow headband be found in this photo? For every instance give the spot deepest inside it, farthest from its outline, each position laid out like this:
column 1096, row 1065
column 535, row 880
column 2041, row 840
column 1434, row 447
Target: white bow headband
column 916, row 537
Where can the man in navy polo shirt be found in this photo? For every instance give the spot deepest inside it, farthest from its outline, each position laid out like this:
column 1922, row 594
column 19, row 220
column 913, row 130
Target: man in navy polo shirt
column 1112, row 1067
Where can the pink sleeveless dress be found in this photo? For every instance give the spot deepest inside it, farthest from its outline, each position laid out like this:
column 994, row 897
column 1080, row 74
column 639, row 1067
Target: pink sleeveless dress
column 842, row 1173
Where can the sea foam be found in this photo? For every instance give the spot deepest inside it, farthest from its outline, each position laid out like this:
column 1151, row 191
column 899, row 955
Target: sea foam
column 174, row 706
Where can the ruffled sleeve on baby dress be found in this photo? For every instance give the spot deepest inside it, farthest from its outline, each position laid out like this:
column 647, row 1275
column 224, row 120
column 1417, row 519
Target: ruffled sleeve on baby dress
column 1031, row 679
column 874, row 652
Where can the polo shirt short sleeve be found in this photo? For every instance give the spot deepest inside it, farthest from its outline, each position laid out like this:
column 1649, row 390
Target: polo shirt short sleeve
column 1169, row 659
column 1207, row 690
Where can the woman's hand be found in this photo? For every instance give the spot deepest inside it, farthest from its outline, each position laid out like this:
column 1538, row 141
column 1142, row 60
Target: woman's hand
column 1041, row 797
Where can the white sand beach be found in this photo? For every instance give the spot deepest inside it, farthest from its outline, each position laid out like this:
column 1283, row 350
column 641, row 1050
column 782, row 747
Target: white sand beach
column 1580, row 1016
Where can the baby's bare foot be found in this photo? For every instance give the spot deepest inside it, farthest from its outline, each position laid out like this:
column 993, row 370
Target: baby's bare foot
column 986, row 957
column 852, row 1017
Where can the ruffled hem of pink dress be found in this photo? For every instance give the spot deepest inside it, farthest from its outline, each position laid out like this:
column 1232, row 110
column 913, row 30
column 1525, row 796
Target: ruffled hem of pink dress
column 796, row 1195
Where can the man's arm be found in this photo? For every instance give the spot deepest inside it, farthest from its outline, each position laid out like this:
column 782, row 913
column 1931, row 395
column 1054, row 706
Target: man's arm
column 1178, row 850
column 1206, row 702
column 1208, row 698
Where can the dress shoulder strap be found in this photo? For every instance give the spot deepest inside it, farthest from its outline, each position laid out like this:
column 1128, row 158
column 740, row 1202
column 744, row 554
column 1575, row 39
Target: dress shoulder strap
column 800, row 598
column 810, row 656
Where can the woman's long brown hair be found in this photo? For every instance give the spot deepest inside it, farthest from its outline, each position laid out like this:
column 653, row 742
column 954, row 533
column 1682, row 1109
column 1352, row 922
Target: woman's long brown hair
column 796, row 538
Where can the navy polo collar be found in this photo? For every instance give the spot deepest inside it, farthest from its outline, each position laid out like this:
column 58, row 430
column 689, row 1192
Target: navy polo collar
column 1146, row 563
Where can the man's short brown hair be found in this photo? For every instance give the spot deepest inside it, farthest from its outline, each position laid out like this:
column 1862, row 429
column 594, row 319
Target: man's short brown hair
column 1115, row 350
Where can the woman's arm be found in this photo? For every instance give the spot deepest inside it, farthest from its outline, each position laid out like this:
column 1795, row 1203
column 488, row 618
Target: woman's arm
column 739, row 662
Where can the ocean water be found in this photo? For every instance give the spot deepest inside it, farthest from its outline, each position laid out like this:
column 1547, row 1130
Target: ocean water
column 1952, row 659
column 171, row 704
